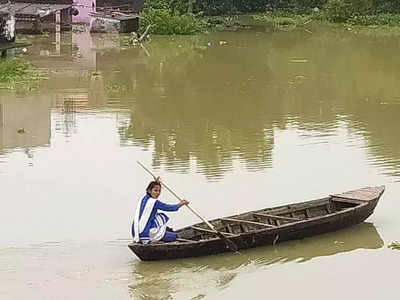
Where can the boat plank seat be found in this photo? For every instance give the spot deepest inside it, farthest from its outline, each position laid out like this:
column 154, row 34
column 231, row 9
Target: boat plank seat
column 229, row 228
column 209, row 231
column 247, row 222
column 297, row 210
column 245, row 228
column 328, row 209
column 274, row 217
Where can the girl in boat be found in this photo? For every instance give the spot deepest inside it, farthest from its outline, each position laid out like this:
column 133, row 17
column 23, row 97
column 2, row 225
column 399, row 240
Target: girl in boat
column 149, row 225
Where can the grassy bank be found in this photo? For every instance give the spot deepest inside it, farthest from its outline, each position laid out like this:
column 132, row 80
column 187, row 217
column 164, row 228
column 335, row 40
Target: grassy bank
column 375, row 25
column 170, row 17
column 166, row 24
column 323, row 16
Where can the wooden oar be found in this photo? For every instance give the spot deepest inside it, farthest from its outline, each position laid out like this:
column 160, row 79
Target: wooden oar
column 231, row 245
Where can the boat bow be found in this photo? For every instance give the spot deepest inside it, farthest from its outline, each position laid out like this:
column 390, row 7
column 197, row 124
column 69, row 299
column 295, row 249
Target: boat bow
column 363, row 194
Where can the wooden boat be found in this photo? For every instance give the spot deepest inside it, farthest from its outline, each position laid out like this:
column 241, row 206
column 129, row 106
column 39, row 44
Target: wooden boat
column 268, row 226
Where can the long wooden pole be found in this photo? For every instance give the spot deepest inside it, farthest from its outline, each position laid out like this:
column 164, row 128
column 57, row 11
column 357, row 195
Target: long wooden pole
column 231, row 245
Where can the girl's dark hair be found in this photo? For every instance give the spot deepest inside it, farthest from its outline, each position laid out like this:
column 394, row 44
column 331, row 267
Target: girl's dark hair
column 151, row 185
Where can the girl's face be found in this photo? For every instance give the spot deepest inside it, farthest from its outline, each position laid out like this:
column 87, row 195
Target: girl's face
column 155, row 191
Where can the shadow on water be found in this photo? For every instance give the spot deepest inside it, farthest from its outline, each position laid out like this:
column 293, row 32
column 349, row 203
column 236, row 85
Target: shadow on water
column 164, row 279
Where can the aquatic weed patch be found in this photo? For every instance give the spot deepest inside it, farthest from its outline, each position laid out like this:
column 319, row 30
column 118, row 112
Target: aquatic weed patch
column 282, row 20
column 18, row 74
column 13, row 70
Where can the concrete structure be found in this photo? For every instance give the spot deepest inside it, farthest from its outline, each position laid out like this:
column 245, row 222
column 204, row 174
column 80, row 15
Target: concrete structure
column 120, row 16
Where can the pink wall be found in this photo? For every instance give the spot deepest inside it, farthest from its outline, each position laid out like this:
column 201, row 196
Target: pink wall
column 84, row 7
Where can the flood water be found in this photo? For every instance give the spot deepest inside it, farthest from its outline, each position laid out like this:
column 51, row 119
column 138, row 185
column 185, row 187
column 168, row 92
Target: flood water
column 233, row 122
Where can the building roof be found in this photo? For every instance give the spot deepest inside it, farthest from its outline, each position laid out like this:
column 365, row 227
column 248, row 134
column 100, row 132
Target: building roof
column 39, row 1
column 33, row 9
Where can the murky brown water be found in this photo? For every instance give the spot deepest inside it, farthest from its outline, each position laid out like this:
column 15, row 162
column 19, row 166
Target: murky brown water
column 233, row 122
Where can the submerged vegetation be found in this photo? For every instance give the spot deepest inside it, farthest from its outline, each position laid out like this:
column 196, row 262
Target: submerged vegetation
column 195, row 16
column 18, row 74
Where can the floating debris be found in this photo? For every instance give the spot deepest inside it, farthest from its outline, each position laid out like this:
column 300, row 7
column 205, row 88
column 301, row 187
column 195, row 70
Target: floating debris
column 298, row 60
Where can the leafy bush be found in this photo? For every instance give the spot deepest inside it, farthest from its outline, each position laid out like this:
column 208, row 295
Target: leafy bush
column 156, row 4
column 338, row 10
column 166, row 21
column 182, row 21
column 356, row 11
column 361, row 7
column 225, row 7
column 386, row 6
column 181, row 6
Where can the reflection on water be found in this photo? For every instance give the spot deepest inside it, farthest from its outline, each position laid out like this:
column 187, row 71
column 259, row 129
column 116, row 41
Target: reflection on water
column 227, row 106
column 223, row 103
column 24, row 123
column 103, row 270
column 211, row 101
column 199, row 275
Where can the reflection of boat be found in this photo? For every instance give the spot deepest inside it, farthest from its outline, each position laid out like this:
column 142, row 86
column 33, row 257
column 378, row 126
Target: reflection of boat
column 362, row 236
column 268, row 226
column 219, row 270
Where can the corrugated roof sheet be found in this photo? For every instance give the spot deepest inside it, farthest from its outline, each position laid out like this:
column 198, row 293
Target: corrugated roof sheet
column 35, row 9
